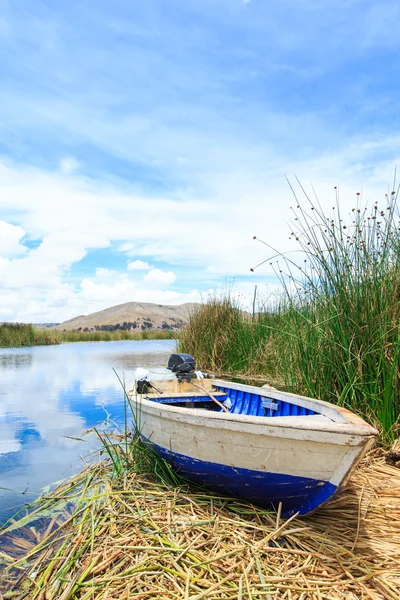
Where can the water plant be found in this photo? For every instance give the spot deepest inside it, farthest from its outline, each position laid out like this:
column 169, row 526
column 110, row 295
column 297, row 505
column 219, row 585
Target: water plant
column 128, row 451
column 25, row 334
column 117, row 335
column 340, row 330
column 334, row 330
column 225, row 339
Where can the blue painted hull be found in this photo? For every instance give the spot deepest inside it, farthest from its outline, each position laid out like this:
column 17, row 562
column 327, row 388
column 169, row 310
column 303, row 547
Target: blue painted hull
column 297, row 494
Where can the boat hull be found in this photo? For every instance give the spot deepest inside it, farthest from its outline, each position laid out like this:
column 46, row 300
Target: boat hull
column 297, row 494
column 265, row 461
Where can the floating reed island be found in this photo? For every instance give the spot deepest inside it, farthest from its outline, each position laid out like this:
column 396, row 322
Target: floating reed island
column 115, row 533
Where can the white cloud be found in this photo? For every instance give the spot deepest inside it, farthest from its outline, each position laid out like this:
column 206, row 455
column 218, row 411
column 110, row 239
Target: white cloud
column 139, row 265
column 43, row 267
column 68, row 165
column 75, row 216
column 101, row 272
column 128, row 248
column 158, row 277
column 10, row 237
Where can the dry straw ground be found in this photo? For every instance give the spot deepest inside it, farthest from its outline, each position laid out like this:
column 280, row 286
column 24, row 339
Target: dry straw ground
column 136, row 539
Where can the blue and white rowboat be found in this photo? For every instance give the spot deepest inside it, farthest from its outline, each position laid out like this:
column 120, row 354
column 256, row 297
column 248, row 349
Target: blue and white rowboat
column 270, row 447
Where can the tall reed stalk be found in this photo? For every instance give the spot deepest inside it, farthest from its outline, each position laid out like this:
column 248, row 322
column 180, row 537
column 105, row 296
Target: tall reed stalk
column 334, row 332
column 223, row 338
column 129, row 451
column 340, row 331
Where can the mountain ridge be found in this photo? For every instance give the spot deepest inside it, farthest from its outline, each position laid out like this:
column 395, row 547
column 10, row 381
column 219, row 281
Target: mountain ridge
column 133, row 315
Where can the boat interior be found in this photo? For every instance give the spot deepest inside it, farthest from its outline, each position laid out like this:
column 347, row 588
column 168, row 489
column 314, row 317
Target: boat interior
column 209, row 395
column 183, row 388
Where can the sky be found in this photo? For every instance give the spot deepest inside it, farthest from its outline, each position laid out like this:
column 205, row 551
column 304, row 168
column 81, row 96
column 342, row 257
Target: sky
column 144, row 144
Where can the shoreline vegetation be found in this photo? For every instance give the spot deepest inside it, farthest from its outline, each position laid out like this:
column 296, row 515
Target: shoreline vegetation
column 333, row 332
column 16, row 335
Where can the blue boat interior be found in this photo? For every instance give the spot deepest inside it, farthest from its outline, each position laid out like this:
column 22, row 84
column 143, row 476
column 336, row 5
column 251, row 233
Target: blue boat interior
column 241, row 402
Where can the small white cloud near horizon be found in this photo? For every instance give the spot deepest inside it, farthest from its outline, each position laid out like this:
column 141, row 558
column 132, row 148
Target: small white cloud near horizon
column 158, row 277
column 139, row 265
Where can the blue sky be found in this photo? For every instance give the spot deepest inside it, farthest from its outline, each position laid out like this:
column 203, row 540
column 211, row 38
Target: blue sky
column 142, row 145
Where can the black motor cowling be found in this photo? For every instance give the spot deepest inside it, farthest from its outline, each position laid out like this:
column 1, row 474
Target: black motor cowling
column 143, row 386
column 181, row 363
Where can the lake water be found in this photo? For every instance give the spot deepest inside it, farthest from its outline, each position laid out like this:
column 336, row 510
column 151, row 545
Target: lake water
column 49, row 394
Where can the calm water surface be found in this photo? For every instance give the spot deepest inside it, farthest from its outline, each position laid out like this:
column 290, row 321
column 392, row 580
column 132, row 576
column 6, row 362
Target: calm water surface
column 49, row 394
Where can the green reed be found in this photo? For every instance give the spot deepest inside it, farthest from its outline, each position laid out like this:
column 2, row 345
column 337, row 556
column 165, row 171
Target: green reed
column 128, row 451
column 117, row 335
column 334, row 332
column 24, row 334
column 224, row 339
column 340, row 330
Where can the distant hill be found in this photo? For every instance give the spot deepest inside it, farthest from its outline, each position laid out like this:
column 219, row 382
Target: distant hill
column 131, row 316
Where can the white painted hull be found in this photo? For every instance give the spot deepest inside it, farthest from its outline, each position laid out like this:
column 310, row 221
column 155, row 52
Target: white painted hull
column 260, row 457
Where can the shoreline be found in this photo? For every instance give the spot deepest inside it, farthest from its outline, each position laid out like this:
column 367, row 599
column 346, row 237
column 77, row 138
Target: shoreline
column 22, row 335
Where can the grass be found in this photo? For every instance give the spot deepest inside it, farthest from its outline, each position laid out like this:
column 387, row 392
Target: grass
column 22, row 334
column 129, row 452
column 225, row 340
column 106, row 336
column 334, row 332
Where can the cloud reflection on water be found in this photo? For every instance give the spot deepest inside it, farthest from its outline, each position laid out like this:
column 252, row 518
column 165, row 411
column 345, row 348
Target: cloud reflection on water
column 51, row 392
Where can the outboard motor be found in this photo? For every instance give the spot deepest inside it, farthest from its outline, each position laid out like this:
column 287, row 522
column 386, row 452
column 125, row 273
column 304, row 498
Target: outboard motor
column 183, row 365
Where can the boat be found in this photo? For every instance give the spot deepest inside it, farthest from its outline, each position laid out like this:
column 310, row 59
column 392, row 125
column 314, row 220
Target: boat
column 274, row 449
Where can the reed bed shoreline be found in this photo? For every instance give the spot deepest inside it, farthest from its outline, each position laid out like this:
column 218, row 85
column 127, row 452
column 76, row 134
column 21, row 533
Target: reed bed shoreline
column 332, row 331
column 16, row 335
column 107, row 537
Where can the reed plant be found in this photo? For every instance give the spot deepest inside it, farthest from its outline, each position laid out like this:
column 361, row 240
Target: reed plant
column 128, row 451
column 340, row 330
column 334, row 332
column 23, row 334
column 117, row 335
column 224, row 339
